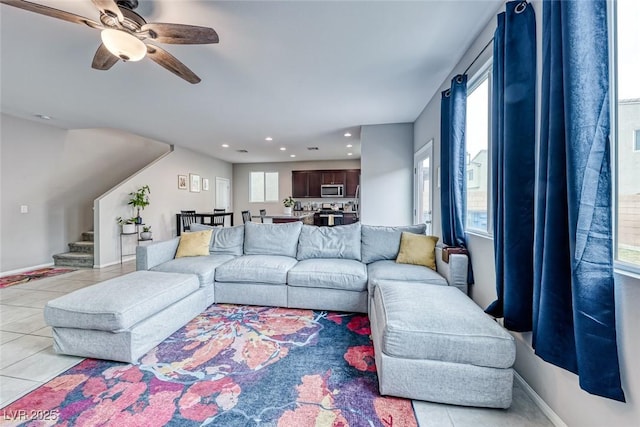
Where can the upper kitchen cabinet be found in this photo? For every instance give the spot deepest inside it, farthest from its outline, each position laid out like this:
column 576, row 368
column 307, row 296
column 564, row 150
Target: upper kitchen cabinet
column 352, row 180
column 307, row 184
column 333, row 177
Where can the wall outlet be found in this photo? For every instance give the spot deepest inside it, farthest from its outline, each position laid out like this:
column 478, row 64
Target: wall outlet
column 24, row 209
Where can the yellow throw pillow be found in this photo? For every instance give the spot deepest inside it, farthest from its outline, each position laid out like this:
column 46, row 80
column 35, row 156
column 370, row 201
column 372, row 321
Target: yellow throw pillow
column 194, row 244
column 417, row 249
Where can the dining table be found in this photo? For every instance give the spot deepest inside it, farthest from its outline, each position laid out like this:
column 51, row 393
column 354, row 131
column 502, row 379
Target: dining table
column 205, row 218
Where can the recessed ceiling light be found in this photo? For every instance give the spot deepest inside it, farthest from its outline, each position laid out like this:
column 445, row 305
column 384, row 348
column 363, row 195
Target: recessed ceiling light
column 225, row 145
column 292, row 155
column 283, row 149
column 268, row 138
column 349, row 145
column 349, row 154
column 43, row 117
column 347, row 134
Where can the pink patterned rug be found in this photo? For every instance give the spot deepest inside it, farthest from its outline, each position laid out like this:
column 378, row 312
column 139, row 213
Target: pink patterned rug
column 231, row 366
column 41, row 273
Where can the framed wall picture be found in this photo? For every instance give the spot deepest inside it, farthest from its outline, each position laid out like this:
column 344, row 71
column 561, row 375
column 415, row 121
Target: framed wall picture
column 194, row 181
column 205, row 184
column 182, row 182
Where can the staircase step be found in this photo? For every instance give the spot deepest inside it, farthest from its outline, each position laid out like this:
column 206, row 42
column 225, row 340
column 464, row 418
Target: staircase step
column 87, row 236
column 73, row 259
column 81, row 247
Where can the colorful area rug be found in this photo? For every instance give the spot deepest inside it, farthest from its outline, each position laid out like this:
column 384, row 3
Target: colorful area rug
column 231, row 366
column 41, row 273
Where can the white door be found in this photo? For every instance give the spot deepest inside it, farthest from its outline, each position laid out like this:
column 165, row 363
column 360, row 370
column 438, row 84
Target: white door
column 423, row 172
column 223, row 194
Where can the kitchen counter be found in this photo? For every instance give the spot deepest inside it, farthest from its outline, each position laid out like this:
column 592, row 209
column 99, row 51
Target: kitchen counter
column 304, row 216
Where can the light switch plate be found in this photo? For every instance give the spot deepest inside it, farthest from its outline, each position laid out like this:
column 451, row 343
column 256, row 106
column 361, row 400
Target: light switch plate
column 24, row 209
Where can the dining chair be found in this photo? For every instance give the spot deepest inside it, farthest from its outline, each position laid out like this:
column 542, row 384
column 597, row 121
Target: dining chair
column 263, row 212
column 218, row 221
column 188, row 218
column 246, row 217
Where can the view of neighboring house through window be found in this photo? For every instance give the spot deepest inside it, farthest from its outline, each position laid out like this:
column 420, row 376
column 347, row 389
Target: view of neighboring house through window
column 263, row 187
column 626, row 129
column 477, row 140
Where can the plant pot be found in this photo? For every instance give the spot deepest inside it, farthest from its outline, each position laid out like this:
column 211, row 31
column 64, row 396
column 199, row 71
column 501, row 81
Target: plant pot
column 145, row 235
column 128, row 228
column 287, row 210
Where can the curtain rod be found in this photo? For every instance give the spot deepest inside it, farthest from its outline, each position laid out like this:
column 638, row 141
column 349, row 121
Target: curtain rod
column 476, row 58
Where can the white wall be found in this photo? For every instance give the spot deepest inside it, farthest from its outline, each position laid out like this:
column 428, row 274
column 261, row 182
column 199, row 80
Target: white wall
column 166, row 200
column 57, row 173
column 557, row 387
column 284, row 169
column 387, row 174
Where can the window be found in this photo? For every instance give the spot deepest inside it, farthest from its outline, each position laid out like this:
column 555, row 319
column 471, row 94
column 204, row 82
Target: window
column 477, row 140
column 263, row 187
column 626, row 132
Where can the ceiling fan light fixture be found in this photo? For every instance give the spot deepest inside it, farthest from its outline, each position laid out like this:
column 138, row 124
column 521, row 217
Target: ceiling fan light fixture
column 123, row 45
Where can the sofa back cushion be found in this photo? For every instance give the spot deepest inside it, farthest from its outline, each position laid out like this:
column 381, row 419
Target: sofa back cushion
column 342, row 242
column 224, row 240
column 382, row 242
column 272, row 239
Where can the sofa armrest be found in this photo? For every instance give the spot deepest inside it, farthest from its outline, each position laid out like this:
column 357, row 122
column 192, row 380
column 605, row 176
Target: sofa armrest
column 455, row 272
column 149, row 256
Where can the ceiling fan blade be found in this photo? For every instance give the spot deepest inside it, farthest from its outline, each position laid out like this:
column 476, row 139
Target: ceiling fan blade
column 180, row 34
column 110, row 8
column 103, row 59
column 168, row 61
column 50, row 11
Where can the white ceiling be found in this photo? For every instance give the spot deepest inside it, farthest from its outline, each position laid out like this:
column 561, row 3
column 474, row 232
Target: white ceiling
column 302, row 72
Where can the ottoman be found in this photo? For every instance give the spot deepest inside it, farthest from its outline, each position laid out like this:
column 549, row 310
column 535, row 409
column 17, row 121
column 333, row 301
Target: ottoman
column 434, row 343
column 123, row 318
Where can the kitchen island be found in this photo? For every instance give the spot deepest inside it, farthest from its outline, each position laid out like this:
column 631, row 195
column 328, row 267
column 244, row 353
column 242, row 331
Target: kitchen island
column 305, row 216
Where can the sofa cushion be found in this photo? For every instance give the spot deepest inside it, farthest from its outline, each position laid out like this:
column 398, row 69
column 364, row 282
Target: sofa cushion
column 202, row 266
column 270, row 269
column 194, row 244
column 224, row 240
column 381, row 242
column 342, row 242
column 345, row 274
column 426, row 322
column 418, row 250
column 272, row 239
column 391, row 270
column 119, row 303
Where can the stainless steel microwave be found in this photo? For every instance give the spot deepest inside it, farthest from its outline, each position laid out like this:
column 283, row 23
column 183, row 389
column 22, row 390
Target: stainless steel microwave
column 332, row 190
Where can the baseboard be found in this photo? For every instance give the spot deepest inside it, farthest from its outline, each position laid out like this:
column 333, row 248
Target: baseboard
column 109, row 264
column 546, row 409
column 22, row 270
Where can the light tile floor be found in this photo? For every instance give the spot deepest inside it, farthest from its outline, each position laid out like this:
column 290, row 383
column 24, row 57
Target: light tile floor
column 27, row 359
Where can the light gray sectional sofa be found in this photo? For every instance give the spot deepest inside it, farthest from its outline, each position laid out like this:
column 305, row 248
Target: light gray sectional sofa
column 301, row 266
column 431, row 341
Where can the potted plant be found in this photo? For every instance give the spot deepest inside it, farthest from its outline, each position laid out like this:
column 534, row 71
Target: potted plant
column 139, row 199
column 288, row 205
column 146, row 233
column 128, row 225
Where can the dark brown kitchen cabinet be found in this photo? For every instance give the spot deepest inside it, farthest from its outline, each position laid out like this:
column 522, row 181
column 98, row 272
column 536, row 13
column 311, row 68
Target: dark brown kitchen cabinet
column 349, row 218
column 352, row 180
column 333, row 177
column 299, row 184
column 307, row 184
column 315, row 182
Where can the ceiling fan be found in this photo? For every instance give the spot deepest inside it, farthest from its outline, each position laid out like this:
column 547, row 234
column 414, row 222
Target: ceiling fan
column 125, row 35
